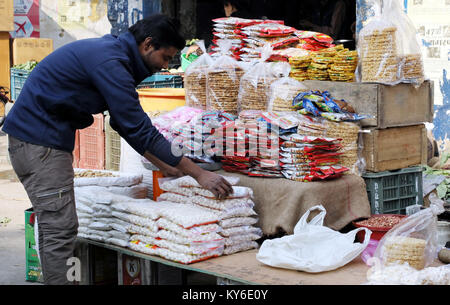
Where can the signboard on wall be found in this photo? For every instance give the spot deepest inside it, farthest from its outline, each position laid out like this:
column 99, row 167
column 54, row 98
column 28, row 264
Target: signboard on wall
column 26, row 19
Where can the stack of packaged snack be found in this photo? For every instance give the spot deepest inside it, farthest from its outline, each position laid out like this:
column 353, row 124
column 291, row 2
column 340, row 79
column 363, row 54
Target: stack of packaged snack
column 299, row 67
column 195, row 138
column 177, row 232
column 273, row 33
column 223, row 82
column 235, row 213
column 343, row 66
column 313, row 41
column 306, row 158
column 318, row 68
column 195, row 79
column 227, row 28
column 322, row 104
column 255, row 84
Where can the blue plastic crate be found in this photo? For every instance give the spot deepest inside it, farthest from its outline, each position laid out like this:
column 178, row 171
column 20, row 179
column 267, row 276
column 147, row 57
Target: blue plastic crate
column 162, row 81
column 18, row 78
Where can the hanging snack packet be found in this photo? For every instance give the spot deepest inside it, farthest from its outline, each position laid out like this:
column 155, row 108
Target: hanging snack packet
column 223, row 81
column 195, row 79
column 254, row 86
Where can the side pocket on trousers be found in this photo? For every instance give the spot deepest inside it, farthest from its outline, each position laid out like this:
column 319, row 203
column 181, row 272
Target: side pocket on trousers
column 55, row 200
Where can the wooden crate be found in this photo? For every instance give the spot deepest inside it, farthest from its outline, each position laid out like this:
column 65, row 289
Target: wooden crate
column 395, row 148
column 390, row 106
column 26, row 49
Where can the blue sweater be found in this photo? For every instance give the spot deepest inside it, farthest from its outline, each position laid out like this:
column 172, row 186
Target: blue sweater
column 82, row 78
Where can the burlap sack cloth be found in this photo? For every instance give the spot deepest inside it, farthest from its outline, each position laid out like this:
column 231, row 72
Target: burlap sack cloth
column 280, row 203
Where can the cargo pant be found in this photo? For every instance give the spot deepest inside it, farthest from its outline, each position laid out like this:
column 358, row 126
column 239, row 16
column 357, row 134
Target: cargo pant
column 47, row 176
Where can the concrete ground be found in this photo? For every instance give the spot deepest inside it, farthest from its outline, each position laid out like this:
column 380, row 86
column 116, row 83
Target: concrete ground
column 13, row 202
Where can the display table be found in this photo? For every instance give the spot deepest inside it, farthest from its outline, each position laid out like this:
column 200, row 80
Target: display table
column 244, row 268
column 280, row 203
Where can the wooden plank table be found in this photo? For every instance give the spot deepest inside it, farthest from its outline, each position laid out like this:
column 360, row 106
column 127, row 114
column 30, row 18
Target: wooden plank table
column 244, row 268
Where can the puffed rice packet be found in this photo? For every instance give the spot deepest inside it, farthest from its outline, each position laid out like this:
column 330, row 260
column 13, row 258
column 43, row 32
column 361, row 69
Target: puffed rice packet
column 176, row 238
column 117, row 241
column 238, row 239
column 193, row 232
column 237, row 222
column 193, row 249
column 143, row 248
column 186, row 216
column 243, row 230
column 137, row 220
column 135, row 229
column 243, row 246
column 222, row 204
column 188, row 258
column 100, row 226
column 188, row 181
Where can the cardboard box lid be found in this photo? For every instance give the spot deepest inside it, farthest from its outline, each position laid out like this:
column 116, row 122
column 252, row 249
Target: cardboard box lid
column 26, row 49
column 6, row 15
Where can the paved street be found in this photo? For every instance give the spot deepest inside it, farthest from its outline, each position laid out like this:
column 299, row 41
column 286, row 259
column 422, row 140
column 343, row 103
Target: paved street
column 13, row 203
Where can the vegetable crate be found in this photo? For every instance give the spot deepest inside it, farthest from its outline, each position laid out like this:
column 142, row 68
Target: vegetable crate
column 92, row 145
column 112, row 147
column 18, row 78
column 162, row 81
column 391, row 192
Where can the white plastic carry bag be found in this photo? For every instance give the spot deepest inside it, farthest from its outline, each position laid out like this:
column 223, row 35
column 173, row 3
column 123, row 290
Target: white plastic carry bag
column 313, row 247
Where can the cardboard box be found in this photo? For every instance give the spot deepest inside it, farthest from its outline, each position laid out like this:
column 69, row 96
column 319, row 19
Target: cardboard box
column 395, row 148
column 32, row 265
column 5, row 65
column 390, row 106
column 26, row 49
column 6, row 15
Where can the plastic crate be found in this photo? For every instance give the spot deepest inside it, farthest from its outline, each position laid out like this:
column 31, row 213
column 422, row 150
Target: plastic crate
column 162, row 81
column 391, row 192
column 112, row 147
column 18, row 78
column 76, row 150
column 92, row 145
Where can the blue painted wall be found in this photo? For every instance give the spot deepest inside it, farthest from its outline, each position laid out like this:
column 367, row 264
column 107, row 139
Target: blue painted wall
column 124, row 13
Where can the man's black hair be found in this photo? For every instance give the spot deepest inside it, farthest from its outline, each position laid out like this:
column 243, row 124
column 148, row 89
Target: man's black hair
column 163, row 30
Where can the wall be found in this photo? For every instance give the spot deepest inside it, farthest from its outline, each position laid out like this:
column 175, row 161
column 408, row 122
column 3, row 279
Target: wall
column 65, row 21
column 432, row 22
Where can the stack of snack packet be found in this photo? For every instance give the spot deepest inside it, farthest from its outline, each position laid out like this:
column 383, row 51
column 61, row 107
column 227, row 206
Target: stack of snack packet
column 299, row 67
column 313, row 41
column 235, row 213
column 177, row 232
column 307, row 158
column 227, row 28
column 343, row 66
column 269, row 32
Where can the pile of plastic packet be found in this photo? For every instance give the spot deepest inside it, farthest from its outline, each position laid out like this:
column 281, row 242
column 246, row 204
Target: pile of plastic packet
column 94, row 195
column 235, row 214
column 187, row 226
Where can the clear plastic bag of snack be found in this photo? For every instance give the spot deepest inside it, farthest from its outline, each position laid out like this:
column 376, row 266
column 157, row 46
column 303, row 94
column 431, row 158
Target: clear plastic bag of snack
column 255, row 83
column 188, row 258
column 180, row 239
column 195, row 79
column 192, row 249
column 237, row 222
column 413, row 240
column 242, row 230
column 223, row 81
column 166, row 224
column 243, row 246
column 186, row 216
column 388, row 48
column 283, row 90
column 137, row 220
